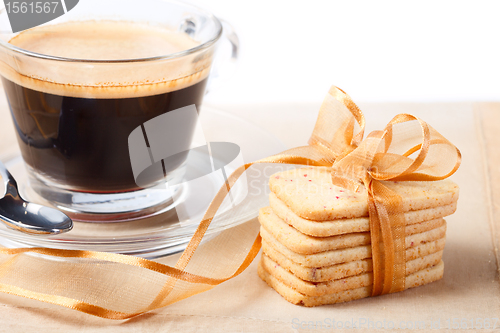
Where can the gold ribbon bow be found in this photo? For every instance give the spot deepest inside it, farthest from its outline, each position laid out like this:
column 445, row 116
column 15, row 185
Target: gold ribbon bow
column 119, row 287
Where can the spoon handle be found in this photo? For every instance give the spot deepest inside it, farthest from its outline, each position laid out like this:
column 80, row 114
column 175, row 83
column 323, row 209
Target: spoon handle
column 8, row 181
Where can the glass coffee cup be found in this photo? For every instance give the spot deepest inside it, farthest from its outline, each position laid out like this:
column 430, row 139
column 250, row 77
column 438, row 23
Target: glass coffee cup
column 79, row 85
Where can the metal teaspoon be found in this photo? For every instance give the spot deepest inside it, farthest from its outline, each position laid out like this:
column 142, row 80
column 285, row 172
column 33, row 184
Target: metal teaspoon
column 28, row 217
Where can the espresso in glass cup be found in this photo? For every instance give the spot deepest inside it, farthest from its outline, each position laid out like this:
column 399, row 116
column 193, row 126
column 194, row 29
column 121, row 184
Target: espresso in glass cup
column 79, row 85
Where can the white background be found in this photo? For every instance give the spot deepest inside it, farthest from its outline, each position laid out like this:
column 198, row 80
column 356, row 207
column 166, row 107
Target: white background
column 383, row 50
column 421, row 51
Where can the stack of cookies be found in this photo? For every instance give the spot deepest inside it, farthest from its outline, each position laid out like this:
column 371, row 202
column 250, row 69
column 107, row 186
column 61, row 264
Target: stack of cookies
column 316, row 236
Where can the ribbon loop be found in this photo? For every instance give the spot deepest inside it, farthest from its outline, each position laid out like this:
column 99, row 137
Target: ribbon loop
column 339, row 127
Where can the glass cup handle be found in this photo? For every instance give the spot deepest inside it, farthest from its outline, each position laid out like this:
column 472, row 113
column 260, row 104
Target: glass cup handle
column 226, row 58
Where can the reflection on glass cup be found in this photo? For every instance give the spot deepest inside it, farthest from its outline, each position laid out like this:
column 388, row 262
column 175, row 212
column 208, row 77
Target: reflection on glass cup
column 79, row 85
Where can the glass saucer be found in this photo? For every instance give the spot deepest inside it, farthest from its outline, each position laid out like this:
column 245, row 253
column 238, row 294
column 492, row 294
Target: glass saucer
column 164, row 231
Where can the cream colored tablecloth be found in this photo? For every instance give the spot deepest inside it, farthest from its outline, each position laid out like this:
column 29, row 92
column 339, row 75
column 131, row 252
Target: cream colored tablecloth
column 469, row 290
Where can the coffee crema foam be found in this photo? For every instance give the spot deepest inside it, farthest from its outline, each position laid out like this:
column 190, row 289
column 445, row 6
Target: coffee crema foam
column 107, row 40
